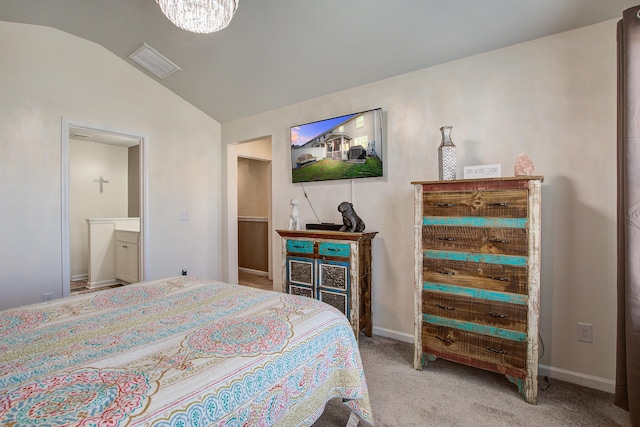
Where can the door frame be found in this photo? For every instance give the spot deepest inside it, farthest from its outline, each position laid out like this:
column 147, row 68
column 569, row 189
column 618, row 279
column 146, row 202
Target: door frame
column 231, row 267
column 144, row 195
column 268, row 163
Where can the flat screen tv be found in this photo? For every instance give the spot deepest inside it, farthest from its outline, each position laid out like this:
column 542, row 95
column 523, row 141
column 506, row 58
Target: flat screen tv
column 344, row 147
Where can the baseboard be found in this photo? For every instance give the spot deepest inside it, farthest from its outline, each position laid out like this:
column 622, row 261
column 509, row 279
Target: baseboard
column 78, row 277
column 388, row 333
column 103, row 283
column 251, row 271
column 585, row 380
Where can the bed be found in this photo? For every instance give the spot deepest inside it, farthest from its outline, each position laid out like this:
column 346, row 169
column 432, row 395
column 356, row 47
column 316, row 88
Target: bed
column 178, row 352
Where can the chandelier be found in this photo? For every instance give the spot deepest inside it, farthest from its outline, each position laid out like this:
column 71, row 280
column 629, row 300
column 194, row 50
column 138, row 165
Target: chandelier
column 199, row 16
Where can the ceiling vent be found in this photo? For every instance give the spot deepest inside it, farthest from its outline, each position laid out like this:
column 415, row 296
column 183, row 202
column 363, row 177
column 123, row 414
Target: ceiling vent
column 152, row 61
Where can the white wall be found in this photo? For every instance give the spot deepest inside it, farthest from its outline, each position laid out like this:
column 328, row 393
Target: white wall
column 88, row 161
column 553, row 98
column 54, row 75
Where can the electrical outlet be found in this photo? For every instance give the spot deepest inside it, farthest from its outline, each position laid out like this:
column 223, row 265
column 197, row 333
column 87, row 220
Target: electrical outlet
column 184, row 271
column 184, row 216
column 585, row 332
column 48, row 296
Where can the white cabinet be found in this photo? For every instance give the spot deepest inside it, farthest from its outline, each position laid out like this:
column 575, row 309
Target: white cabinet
column 127, row 255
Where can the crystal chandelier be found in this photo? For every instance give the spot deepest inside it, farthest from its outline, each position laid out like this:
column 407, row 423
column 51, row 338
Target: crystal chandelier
column 199, row 16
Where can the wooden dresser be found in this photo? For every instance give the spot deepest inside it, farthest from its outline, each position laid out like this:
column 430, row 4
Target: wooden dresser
column 477, row 275
column 332, row 266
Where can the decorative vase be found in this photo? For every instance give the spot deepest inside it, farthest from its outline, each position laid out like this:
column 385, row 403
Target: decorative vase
column 446, row 155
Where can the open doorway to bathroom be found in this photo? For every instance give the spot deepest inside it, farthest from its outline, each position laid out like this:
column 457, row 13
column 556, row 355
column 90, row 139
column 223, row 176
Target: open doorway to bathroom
column 103, row 203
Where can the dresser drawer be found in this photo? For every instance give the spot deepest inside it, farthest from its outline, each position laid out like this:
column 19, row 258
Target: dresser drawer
column 475, row 310
column 508, row 241
column 479, row 275
column 493, row 204
column 334, row 249
column 300, row 246
column 483, row 351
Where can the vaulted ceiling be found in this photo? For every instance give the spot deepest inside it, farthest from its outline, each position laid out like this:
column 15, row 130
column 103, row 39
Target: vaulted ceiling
column 279, row 52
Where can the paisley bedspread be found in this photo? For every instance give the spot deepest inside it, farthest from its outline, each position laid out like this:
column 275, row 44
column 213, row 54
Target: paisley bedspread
column 177, row 352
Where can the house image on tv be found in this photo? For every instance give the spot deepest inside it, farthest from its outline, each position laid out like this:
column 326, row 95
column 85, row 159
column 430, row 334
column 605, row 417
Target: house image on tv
column 352, row 140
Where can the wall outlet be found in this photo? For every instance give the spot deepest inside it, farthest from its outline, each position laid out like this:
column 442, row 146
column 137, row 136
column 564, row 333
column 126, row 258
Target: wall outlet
column 48, row 296
column 585, row 332
column 184, row 216
column 184, row 271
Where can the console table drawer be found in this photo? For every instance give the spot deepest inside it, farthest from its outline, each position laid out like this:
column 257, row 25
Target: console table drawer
column 334, row 249
column 333, row 275
column 300, row 246
column 300, row 271
column 338, row 300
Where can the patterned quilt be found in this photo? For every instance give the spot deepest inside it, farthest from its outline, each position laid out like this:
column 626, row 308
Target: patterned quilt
column 177, row 352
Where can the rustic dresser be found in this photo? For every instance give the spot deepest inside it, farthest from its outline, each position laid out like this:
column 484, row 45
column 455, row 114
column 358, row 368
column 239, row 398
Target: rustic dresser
column 477, row 275
column 333, row 267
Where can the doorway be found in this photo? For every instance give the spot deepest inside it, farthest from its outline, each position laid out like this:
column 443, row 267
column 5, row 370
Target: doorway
column 249, row 212
column 254, row 195
column 110, row 143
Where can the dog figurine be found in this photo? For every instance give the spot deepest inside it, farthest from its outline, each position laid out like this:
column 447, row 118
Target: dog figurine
column 350, row 220
column 294, row 216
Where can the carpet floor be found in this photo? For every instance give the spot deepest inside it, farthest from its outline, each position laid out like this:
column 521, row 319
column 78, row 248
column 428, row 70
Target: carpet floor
column 448, row 394
column 254, row 280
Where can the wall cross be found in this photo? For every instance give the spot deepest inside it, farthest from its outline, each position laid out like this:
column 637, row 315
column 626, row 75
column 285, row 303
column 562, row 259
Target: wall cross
column 101, row 181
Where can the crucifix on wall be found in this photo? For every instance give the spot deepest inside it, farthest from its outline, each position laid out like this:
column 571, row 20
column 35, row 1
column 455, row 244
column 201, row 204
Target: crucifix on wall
column 101, row 181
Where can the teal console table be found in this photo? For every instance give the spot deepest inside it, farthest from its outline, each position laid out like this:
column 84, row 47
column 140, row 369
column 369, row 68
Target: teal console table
column 333, row 267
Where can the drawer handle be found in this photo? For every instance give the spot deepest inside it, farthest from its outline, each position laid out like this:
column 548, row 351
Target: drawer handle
column 445, row 272
column 333, row 250
column 446, row 341
column 501, row 279
column 500, row 205
column 444, row 307
column 496, row 350
column 449, row 239
column 445, row 205
column 499, row 241
column 498, row 315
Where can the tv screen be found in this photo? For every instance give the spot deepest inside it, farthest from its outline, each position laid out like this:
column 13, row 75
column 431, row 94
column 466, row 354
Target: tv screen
column 344, row 147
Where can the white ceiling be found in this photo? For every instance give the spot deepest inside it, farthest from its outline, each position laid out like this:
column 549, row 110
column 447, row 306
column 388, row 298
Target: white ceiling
column 279, row 52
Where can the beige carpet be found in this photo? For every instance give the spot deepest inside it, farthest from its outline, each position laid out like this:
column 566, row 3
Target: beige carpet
column 448, row 394
column 254, row 280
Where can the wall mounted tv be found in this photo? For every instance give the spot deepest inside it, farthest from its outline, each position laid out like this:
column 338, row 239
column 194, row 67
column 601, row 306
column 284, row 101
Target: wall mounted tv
column 344, row 147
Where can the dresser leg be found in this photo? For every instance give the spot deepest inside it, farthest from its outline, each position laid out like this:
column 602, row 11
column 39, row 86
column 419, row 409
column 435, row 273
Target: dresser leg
column 525, row 388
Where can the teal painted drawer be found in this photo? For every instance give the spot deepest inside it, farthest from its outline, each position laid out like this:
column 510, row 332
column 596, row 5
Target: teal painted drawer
column 300, row 246
column 334, row 249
